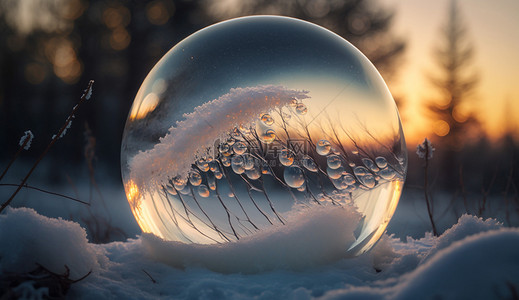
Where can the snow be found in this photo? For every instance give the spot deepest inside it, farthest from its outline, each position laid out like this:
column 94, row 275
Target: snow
column 425, row 149
column 28, row 135
column 474, row 259
column 176, row 151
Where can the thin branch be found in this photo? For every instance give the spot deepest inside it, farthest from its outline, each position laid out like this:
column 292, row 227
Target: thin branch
column 45, row 191
column 84, row 97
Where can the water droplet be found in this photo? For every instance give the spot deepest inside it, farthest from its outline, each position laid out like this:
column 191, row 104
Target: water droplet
column 370, row 164
column 354, row 152
column 294, row 176
column 230, row 141
column 211, row 181
column 179, row 183
column 226, row 161
column 302, row 188
column 231, row 194
column 351, row 188
column 185, row 191
column 351, row 164
column 334, row 161
column 334, row 173
column 218, row 174
column 237, row 164
column 360, row 171
column 293, row 102
column 381, row 162
column 265, row 169
column 286, row 157
column 267, row 119
column 339, row 183
column 209, row 159
column 170, row 189
column 248, row 161
column 253, row 173
column 195, row 178
column 309, row 164
column 202, row 164
column 323, row 147
column 203, row 191
column 365, row 177
column 224, row 149
column 387, row 173
column 268, row 136
column 348, row 178
column 213, row 166
column 301, row 109
column 239, row 147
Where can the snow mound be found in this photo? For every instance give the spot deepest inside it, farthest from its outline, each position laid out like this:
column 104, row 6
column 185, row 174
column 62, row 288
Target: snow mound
column 311, row 237
column 175, row 152
column 475, row 259
column 482, row 266
column 467, row 225
column 28, row 239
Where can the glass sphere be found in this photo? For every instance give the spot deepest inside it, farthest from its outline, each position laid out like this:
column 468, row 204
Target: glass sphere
column 251, row 122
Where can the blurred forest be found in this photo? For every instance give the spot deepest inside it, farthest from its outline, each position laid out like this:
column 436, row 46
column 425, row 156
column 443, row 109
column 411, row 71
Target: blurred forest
column 49, row 49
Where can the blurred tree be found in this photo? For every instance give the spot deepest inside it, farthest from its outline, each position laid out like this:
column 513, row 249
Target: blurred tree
column 453, row 123
column 455, row 82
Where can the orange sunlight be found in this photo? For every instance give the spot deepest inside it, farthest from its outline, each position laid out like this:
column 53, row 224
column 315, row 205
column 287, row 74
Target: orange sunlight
column 492, row 31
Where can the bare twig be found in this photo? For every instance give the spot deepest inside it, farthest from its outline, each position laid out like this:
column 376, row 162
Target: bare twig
column 84, row 97
column 45, row 191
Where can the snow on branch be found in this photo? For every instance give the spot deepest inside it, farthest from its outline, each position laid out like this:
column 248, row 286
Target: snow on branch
column 176, row 151
column 425, row 150
column 26, row 139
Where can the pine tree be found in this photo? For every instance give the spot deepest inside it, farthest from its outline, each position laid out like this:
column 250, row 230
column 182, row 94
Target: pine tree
column 455, row 82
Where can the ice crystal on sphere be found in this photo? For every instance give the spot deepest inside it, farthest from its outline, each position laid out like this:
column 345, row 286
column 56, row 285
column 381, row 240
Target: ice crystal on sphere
column 252, row 121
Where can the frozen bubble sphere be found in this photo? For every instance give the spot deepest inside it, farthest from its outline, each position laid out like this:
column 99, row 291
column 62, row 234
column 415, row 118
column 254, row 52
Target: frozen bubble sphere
column 247, row 124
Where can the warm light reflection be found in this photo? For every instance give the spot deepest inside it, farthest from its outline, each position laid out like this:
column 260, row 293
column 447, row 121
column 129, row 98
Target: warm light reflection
column 459, row 114
column 120, row 39
column 148, row 104
column 158, row 13
column 116, row 16
column 132, row 193
column 441, row 128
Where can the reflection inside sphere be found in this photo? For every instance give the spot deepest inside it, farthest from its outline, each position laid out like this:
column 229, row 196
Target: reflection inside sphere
column 250, row 122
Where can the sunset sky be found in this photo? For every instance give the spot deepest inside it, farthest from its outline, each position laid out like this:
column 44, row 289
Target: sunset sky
column 493, row 29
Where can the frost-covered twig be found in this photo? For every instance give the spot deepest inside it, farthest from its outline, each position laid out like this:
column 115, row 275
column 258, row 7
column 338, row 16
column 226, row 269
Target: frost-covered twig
column 425, row 151
column 86, row 95
column 25, row 144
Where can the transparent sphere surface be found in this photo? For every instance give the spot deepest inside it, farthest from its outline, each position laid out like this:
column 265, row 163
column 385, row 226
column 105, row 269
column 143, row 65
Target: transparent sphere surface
column 251, row 123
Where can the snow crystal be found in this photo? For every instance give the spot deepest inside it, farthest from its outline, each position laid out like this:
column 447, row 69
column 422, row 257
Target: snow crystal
column 28, row 135
column 175, row 152
column 425, row 148
column 88, row 92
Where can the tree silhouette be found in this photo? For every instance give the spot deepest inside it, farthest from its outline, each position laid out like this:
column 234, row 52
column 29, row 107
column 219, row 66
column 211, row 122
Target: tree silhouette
column 455, row 82
column 454, row 125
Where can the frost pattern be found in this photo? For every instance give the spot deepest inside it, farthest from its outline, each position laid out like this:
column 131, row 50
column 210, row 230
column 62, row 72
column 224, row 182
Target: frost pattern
column 176, row 151
column 424, row 149
column 27, row 135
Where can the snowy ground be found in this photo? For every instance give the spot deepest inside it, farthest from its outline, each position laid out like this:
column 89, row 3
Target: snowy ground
column 475, row 259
